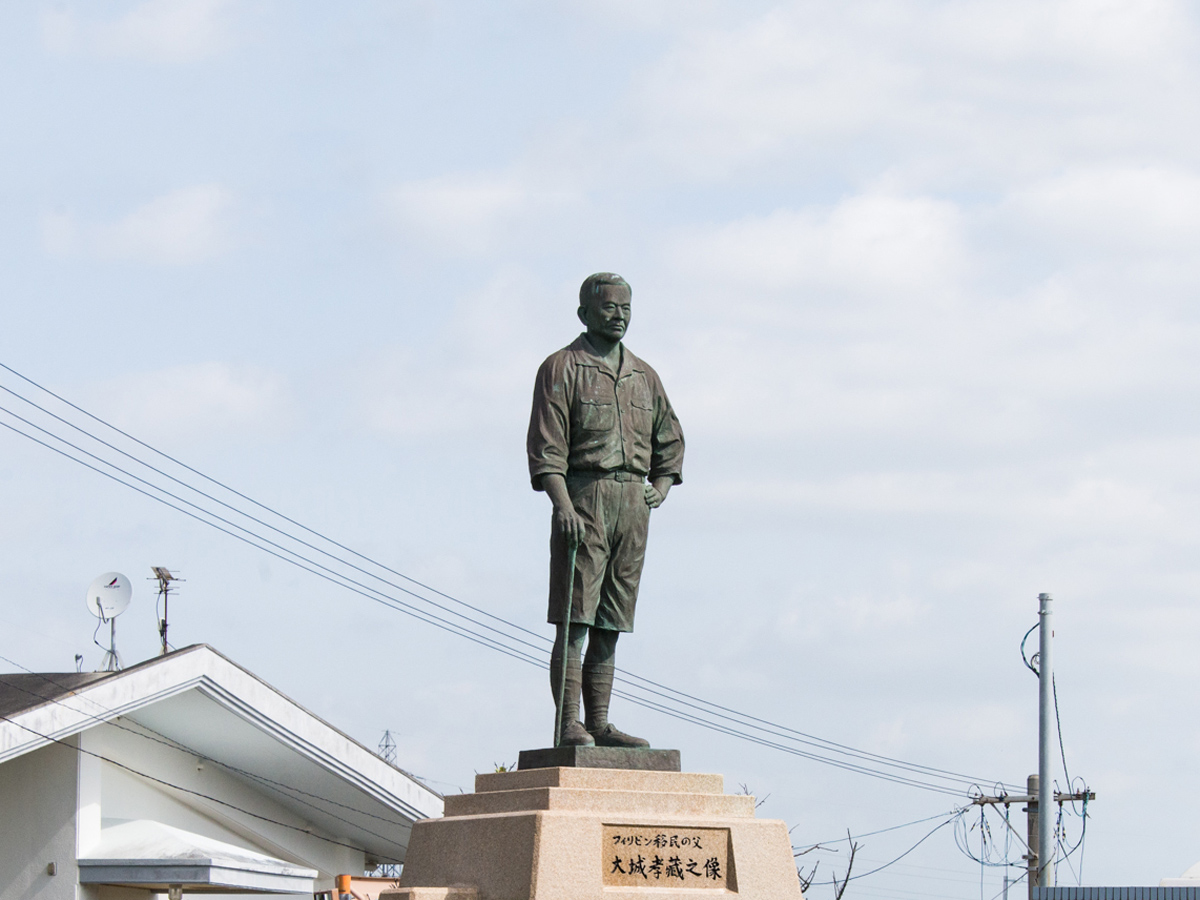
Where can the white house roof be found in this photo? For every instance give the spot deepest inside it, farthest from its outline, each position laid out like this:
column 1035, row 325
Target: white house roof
column 151, row 855
column 199, row 700
column 1190, row 878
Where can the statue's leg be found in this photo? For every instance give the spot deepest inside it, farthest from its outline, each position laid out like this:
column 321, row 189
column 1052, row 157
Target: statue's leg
column 598, row 676
column 598, row 669
column 629, row 518
column 574, row 734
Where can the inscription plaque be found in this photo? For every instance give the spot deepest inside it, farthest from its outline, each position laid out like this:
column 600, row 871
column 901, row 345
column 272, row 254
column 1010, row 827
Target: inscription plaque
column 666, row 856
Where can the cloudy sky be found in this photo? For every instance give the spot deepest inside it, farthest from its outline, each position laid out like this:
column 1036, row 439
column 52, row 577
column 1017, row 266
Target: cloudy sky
column 919, row 278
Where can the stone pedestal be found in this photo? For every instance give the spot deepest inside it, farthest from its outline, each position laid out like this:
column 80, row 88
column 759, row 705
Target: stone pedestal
column 562, row 833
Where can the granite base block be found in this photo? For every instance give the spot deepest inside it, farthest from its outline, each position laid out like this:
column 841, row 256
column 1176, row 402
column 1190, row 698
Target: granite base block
column 599, row 833
column 642, row 759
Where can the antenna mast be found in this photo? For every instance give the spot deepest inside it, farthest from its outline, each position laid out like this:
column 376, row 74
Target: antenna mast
column 164, row 578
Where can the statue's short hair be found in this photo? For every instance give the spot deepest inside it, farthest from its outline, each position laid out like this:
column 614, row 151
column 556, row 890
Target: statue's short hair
column 593, row 283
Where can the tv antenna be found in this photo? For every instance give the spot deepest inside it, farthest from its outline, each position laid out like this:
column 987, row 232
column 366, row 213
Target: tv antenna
column 164, row 578
column 108, row 597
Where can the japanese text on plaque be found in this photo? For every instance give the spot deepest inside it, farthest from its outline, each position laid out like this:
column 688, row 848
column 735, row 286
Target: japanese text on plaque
column 641, row 856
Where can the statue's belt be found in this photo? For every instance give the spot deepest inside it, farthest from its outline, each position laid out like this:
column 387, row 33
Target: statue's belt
column 605, row 476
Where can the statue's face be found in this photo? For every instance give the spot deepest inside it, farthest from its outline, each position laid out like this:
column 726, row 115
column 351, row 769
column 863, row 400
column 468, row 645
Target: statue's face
column 607, row 314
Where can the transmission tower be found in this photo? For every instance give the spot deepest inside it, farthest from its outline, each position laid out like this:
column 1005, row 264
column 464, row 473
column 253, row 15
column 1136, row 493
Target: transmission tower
column 387, row 749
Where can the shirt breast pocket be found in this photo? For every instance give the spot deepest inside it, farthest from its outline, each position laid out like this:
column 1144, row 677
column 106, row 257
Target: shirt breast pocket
column 597, row 416
column 641, row 401
column 596, row 404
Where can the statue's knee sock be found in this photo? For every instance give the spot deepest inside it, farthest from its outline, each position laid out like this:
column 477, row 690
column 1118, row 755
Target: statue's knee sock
column 574, row 682
column 597, row 691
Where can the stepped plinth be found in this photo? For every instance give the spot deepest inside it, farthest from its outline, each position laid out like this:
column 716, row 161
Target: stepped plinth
column 580, row 832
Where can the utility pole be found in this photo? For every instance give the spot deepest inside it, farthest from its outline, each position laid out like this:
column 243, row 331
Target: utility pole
column 1045, row 841
column 1039, row 789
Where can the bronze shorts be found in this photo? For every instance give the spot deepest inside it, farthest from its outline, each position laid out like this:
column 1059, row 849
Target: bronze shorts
column 608, row 564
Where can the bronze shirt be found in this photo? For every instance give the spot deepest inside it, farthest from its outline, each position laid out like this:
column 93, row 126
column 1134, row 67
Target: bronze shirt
column 586, row 418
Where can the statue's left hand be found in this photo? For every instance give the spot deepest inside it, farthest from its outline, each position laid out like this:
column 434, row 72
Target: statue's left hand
column 656, row 492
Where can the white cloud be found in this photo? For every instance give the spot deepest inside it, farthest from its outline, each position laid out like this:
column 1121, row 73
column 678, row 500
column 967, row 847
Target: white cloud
column 201, row 401
column 944, row 92
column 724, row 96
column 1115, row 207
column 476, row 378
column 1078, row 31
column 183, row 227
column 1088, row 505
column 162, row 31
column 868, row 243
column 472, row 214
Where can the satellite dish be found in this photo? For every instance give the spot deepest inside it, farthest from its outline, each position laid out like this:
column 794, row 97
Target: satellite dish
column 109, row 595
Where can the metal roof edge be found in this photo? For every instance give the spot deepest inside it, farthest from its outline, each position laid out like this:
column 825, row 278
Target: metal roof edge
column 217, row 676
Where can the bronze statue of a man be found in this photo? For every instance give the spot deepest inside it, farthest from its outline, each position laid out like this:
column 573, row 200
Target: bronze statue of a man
column 606, row 447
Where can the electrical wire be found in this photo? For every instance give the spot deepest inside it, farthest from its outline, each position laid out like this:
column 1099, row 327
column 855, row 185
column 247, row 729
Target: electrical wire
column 178, row 787
column 157, row 737
column 270, row 783
column 1028, row 663
column 215, row 516
column 471, row 628
column 962, row 841
column 1058, row 726
column 344, row 581
column 800, row 735
column 892, row 828
column 235, row 492
column 957, row 814
column 389, row 601
column 109, row 716
column 1013, row 883
column 803, row 737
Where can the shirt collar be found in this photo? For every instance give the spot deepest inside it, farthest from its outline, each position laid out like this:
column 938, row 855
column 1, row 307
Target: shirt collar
column 581, row 350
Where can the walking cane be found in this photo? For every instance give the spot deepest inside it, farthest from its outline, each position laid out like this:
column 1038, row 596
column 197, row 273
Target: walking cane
column 572, row 549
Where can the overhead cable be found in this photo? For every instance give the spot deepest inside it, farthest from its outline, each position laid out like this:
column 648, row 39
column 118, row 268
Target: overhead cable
column 651, row 694
column 179, row 787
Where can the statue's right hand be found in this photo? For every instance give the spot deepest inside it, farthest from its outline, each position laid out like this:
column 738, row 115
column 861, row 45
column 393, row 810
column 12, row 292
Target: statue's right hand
column 569, row 524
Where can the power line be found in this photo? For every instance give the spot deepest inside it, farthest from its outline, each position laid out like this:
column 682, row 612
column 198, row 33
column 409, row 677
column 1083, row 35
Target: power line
column 178, row 787
column 219, row 518
column 892, row 828
column 956, row 815
column 348, row 583
column 388, row 601
column 471, row 628
column 160, row 738
column 237, row 493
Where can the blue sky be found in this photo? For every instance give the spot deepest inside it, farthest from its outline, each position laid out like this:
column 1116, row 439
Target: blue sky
column 919, row 278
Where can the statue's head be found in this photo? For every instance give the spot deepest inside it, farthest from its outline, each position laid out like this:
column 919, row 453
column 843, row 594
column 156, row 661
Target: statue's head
column 604, row 305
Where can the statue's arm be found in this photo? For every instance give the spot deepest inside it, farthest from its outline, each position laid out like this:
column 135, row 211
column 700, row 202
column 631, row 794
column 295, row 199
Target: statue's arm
column 666, row 447
column 549, row 438
column 567, row 521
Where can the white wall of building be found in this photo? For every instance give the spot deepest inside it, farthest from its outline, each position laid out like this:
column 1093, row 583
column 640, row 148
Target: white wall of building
column 37, row 825
column 125, row 796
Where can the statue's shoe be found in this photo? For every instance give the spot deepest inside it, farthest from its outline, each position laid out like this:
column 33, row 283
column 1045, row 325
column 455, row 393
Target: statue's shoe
column 611, row 736
column 575, row 735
